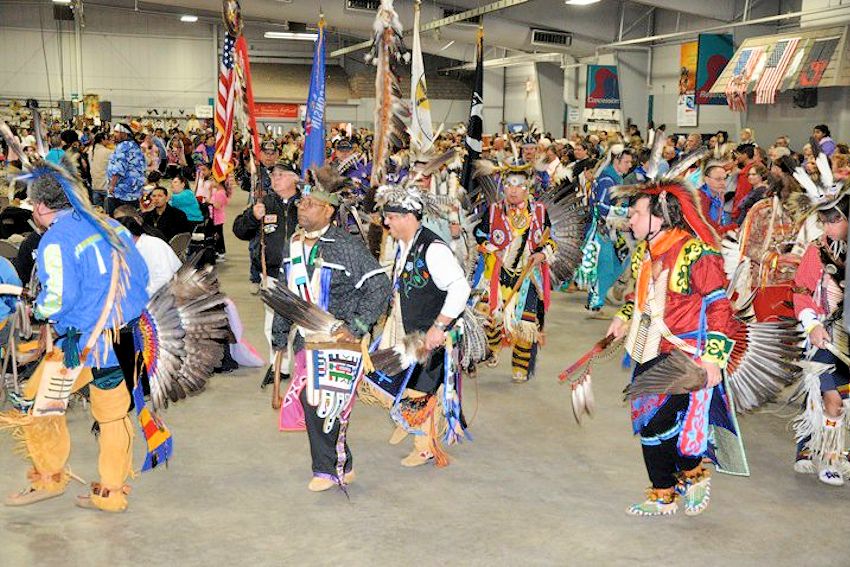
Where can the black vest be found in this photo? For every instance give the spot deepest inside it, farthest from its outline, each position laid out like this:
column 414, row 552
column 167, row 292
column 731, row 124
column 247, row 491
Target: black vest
column 421, row 300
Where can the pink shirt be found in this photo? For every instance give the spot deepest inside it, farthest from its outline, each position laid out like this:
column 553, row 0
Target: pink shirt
column 219, row 203
column 204, row 189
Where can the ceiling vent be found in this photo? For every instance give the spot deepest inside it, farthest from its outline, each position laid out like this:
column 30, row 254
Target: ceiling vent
column 549, row 38
column 474, row 21
column 363, row 5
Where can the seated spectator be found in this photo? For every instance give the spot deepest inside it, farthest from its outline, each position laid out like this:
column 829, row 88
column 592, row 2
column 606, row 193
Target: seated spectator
column 821, row 135
column 160, row 259
column 758, row 178
column 25, row 260
column 183, row 198
column 163, row 217
column 712, row 194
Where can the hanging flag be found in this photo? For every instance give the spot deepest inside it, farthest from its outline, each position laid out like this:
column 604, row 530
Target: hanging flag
column 421, row 133
column 816, row 63
column 475, row 127
column 745, row 68
column 774, row 70
column 246, row 100
column 314, row 124
column 224, row 103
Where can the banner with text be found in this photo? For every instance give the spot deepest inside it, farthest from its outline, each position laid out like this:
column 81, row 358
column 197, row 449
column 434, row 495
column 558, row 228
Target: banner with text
column 714, row 52
column 603, row 87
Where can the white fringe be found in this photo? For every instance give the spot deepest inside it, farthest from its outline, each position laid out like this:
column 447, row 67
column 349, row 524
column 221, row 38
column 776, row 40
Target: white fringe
column 826, row 433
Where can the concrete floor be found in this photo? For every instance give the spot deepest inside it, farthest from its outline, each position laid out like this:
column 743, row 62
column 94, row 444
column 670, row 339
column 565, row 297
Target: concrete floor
column 533, row 488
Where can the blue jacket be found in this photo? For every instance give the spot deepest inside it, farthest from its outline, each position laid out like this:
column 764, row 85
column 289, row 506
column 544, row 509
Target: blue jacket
column 608, row 179
column 8, row 275
column 74, row 268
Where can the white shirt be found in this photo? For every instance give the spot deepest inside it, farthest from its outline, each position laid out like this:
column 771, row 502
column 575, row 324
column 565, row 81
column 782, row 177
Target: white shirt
column 447, row 274
column 161, row 260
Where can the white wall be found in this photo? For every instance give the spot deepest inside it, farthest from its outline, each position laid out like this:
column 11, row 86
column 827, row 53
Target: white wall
column 137, row 61
column 520, row 102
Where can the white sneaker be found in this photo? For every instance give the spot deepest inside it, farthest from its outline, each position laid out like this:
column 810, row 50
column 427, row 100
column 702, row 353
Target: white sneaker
column 832, row 476
column 804, row 466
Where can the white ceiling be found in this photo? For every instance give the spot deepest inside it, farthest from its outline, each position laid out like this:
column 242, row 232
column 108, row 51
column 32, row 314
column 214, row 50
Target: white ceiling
column 508, row 28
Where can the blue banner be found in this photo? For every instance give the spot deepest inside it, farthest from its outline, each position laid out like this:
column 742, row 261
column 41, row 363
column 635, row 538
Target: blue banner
column 314, row 125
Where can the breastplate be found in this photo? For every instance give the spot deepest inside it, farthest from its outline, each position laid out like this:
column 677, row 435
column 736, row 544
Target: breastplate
column 646, row 328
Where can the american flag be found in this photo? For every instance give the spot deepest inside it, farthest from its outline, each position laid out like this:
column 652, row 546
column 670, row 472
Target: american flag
column 774, row 70
column 736, row 88
column 224, row 103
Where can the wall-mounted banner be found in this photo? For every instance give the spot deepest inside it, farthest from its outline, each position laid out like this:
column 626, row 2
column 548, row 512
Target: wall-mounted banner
column 688, row 68
column 714, row 52
column 686, row 110
column 276, row 110
column 603, row 87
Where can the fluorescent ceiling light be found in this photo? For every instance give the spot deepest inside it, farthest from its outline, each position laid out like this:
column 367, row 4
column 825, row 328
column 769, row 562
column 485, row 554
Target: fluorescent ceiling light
column 61, row 1
column 306, row 36
column 580, row 2
column 189, row 18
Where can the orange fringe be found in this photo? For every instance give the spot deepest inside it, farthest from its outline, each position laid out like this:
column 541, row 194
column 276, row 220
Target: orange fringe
column 441, row 459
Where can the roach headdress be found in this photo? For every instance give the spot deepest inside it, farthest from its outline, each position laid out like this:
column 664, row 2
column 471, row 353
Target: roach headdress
column 687, row 198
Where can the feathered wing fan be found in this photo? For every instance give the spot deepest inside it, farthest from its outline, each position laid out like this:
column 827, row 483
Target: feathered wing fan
column 394, row 360
column 390, row 108
column 302, row 313
column 763, row 362
column 676, row 374
column 313, row 318
column 568, row 215
column 181, row 334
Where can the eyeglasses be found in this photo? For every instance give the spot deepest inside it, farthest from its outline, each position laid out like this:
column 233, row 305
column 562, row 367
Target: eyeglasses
column 310, row 203
column 717, row 178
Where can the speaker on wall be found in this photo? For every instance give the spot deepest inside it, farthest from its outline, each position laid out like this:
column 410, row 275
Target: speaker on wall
column 106, row 111
column 806, row 98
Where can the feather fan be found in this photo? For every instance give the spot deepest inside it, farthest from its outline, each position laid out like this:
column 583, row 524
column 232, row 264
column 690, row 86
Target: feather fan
column 676, row 374
column 568, row 215
column 182, row 334
column 302, row 313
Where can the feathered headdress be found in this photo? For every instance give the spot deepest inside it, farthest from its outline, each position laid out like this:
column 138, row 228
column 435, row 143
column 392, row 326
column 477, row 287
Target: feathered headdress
column 687, row 198
column 825, row 193
column 66, row 175
column 391, row 110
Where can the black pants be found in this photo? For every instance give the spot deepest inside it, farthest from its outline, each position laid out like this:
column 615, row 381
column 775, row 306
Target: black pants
column 218, row 231
column 323, row 445
column 663, row 460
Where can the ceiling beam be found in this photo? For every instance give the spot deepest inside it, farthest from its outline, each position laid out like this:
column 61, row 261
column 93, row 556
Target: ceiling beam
column 468, row 14
column 722, row 10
